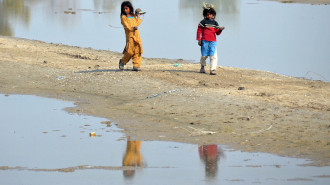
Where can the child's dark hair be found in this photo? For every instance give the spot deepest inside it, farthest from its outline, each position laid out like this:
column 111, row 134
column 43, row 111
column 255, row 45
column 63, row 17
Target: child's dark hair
column 129, row 5
column 210, row 11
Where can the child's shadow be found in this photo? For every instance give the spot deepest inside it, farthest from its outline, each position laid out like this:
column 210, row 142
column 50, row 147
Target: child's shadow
column 181, row 71
column 118, row 70
column 100, row 71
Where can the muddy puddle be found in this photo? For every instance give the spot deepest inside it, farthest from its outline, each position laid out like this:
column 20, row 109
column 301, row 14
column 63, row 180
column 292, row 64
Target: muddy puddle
column 41, row 143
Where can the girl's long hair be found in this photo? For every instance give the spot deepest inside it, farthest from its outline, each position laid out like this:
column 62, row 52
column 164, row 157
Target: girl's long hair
column 129, row 5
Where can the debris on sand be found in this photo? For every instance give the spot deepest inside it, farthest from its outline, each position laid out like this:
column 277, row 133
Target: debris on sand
column 198, row 132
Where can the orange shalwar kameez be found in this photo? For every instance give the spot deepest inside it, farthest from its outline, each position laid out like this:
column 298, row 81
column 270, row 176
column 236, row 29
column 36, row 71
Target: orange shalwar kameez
column 133, row 49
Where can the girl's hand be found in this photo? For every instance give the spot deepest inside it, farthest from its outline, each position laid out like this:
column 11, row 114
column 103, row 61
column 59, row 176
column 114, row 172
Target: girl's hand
column 200, row 42
column 135, row 28
column 222, row 28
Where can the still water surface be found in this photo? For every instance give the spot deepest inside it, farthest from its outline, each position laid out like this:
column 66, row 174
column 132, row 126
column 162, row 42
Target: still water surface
column 43, row 144
column 286, row 38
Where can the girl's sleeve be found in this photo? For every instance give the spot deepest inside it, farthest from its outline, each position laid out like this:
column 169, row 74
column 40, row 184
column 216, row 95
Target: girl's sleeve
column 138, row 21
column 125, row 24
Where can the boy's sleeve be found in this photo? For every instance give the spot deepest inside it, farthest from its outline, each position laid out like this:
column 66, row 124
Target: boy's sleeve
column 125, row 24
column 199, row 31
column 217, row 30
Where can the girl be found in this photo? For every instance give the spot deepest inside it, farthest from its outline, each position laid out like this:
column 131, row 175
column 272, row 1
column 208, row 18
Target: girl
column 207, row 30
column 133, row 49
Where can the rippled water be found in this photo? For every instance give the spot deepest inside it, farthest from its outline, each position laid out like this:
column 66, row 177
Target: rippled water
column 43, row 144
column 291, row 39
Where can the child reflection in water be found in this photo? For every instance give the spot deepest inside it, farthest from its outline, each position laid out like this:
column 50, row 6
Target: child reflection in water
column 210, row 155
column 132, row 157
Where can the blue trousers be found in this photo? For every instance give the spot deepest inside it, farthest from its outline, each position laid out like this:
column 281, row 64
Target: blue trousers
column 208, row 48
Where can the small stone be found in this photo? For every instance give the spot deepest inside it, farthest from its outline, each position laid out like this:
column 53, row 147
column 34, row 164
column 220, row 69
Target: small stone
column 241, row 88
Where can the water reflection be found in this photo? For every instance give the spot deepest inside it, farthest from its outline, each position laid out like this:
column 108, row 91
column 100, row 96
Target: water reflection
column 33, row 156
column 106, row 5
column 62, row 12
column 210, row 155
column 223, row 7
column 12, row 9
column 132, row 157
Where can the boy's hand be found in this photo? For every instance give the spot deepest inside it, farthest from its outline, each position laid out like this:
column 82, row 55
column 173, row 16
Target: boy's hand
column 222, row 28
column 200, row 42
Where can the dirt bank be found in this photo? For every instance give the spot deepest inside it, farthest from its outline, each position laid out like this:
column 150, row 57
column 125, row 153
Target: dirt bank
column 271, row 113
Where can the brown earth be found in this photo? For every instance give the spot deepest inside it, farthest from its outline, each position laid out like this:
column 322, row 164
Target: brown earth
column 271, row 113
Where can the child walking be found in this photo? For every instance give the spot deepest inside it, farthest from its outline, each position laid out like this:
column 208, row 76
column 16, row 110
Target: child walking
column 133, row 49
column 207, row 30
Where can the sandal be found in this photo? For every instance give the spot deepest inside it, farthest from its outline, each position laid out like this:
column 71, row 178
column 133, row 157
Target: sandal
column 136, row 68
column 121, row 65
column 213, row 72
column 202, row 70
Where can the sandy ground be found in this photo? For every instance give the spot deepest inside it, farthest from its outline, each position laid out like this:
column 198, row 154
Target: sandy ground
column 271, row 113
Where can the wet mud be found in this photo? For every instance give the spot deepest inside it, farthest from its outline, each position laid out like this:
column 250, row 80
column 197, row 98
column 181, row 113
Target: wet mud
column 37, row 149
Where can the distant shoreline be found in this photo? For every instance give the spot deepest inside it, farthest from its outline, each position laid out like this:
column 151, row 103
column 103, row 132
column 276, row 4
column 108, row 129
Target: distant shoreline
column 313, row 2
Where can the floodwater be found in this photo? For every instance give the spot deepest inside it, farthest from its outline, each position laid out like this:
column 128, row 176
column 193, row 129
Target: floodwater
column 286, row 38
column 47, row 145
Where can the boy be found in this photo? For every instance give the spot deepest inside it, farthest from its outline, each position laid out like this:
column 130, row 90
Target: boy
column 207, row 30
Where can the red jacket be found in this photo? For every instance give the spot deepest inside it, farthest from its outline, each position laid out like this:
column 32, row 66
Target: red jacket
column 207, row 29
